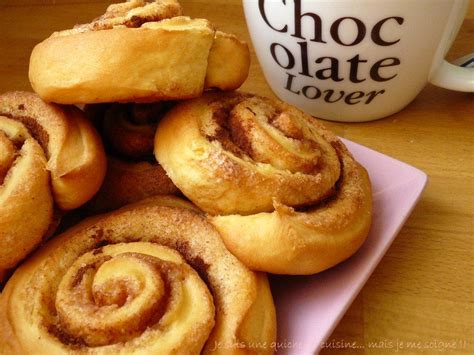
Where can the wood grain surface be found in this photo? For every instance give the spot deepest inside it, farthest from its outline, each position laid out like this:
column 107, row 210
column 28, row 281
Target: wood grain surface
column 422, row 291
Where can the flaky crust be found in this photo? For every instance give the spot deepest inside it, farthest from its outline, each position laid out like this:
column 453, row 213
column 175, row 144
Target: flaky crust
column 49, row 155
column 146, row 53
column 284, row 192
column 136, row 281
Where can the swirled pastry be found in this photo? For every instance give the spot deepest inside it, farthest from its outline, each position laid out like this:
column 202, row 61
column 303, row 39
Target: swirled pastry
column 50, row 156
column 137, row 51
column 284, row 192
column 133, row 173
column 151, row 278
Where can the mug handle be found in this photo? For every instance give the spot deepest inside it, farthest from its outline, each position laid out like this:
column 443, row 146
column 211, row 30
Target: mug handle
column 456, row 77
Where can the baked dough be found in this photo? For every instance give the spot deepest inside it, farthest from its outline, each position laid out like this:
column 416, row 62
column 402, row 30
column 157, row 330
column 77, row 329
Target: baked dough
column 49, row 156
column 283, row 191
column 133, row 173
column 76, row 158
column 153, row 277
column 137, row 52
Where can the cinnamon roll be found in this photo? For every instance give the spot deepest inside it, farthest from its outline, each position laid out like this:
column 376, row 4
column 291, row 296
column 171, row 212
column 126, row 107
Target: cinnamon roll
column 50, row 156
column 138, row 51
column 133, row 173
column 153, row 277
column 283, row 191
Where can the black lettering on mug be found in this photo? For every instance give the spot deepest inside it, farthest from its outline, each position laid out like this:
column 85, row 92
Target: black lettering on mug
column 289, row 56
column 332, row 71
column 289, row 84
column 311, row 92
column 354, row 68
column 316, row 21
column 371, row 95
column 261, row 7
column 304, row 58
column 383, row 63
column 361, row 31
column 329, row 95
column 328, row 68
column 354, row 97
column 377, row 37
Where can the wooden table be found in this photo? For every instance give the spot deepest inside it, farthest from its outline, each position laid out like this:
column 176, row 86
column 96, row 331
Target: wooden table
column 423, row 288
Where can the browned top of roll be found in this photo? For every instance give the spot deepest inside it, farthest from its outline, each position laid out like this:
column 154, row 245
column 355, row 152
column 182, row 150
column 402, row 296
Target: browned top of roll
column 138, row 51
column 131, row 14
column 251, row 150
column 284, row 192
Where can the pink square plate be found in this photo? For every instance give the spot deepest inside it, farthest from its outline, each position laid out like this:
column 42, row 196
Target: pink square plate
column 309, row 307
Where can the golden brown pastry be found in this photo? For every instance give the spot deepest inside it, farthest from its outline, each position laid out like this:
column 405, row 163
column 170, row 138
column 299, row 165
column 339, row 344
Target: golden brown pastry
column 284, row 192
column 150, row 278
column 49, row 155
column 133, row 173
column 137, row 51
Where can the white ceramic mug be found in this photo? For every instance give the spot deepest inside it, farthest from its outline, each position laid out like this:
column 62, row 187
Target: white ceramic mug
column 356, row 60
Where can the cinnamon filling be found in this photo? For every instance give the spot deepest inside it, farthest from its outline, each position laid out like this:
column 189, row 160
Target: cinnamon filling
column 89, row 268
column 196, row 262
column 64, row 337
column 253, row 128
column 132, row 14
column 99, row 306
column 35, row 129
column 220, row 131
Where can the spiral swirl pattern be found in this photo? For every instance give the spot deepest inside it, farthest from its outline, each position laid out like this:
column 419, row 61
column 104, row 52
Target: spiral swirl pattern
column 49, row 156
column 112, row 295
column 284, row 192
column 135, row 40
column 132, row 14
column 153, row 277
